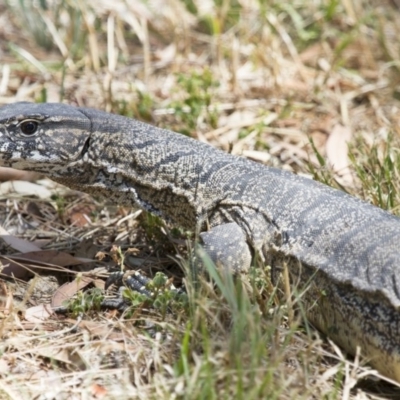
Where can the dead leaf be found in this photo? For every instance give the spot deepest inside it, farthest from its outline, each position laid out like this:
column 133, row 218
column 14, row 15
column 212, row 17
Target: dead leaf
column 49, row 326
column 6, row 299
column 16, row 243
column 4, row 368
column 38, row 313
column 33, row 209
column 25, row 189
column 79, row 219
column 260, row 156
column 288, row 123
column 69, row 289
column 100, row 255
column 79, row 214
column 8, row 267
column 11, row 174
column 295, row 85
column 101, row 330
column 98, row 391
column 32, row 253
column 165, row 55
column 336, row 151
column 86, row 248
column 53, row 353
column 52, row 257
column 99, row 284
column 17, row 270
column 41, row 258
column 313, row 53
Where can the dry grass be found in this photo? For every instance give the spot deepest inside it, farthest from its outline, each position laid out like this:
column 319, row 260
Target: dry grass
column 258, row 78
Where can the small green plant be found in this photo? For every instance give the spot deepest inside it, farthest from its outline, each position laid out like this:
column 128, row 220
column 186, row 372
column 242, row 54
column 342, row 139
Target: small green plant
column 305, row 31
column 134, row 298
column 152, row 226
column 118, row 256
column 378, row 170
column 140, row 109
column 196, row 105
column 45, row 20
column 322, row 173
column 61, row 204
column 164, row 296
column 85, row 301
column 224, row 15
column 234, row 327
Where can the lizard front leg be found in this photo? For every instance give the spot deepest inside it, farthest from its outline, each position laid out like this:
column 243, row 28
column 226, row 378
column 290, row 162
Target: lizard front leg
column 227, row 247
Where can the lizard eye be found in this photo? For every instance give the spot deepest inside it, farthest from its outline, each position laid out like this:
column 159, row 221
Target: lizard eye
column 28, row 128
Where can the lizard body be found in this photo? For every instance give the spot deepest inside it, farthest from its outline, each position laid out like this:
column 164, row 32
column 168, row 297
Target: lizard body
column 348, row 249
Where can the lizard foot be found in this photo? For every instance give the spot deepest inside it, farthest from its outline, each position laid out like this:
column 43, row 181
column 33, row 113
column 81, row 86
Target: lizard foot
column 133, row 280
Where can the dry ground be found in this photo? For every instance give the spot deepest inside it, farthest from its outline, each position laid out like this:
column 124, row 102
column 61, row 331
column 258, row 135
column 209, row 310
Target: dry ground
column 285, row 84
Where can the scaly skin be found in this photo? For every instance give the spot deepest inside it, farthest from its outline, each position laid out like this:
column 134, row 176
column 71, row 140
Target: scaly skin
column 346, row 247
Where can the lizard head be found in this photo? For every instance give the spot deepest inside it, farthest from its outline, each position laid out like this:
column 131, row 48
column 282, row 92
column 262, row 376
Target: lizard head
column 42, row 137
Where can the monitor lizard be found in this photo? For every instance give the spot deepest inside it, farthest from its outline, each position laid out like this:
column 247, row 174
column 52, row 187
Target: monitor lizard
column 347, row 249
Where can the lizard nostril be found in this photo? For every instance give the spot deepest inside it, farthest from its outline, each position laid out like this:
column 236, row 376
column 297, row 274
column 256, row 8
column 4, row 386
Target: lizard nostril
column 28, row 128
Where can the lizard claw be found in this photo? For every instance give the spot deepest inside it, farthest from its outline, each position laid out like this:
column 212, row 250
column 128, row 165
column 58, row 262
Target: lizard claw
column 117, row 303
column 116, row 278
column 133, row 280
